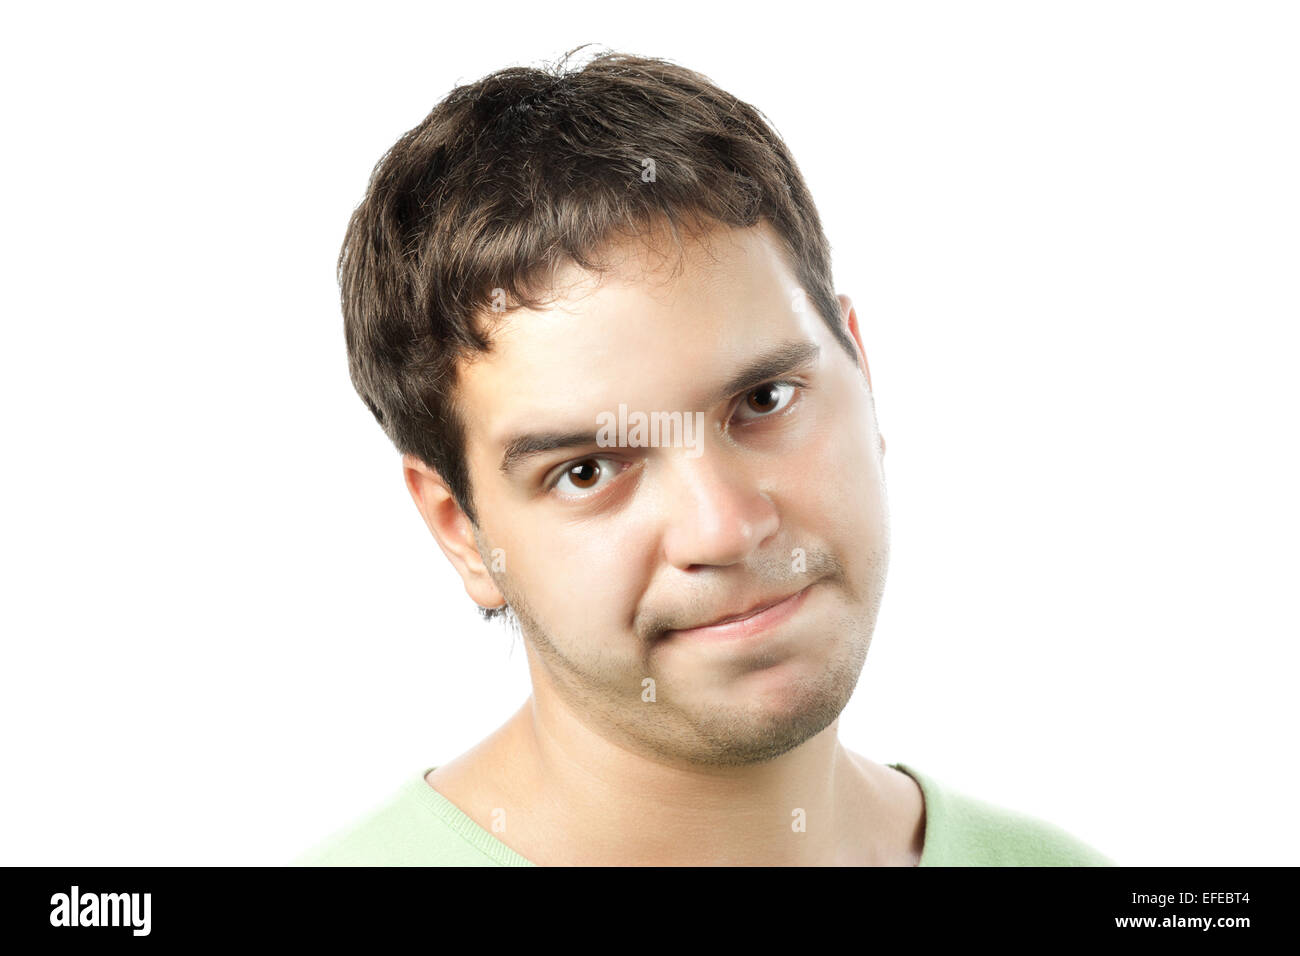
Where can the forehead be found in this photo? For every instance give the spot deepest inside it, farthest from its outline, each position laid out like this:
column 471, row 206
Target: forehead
column 657, row 331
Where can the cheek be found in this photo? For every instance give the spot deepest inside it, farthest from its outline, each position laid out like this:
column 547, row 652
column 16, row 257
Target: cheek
column 835, row 480
column 591, row 586
column 577, row 579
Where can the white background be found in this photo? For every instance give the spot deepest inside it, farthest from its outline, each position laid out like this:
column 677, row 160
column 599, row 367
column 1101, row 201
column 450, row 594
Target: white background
column 1070, row 229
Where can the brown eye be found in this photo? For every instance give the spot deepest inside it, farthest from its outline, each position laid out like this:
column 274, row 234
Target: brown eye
column 768, row 391
column 766, row 399
column 583, row 474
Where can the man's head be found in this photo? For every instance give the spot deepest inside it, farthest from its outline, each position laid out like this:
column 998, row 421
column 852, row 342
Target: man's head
column 550, row 248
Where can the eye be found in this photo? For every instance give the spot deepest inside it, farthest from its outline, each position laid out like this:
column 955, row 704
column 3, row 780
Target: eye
column 584, row 477
column 771, row 398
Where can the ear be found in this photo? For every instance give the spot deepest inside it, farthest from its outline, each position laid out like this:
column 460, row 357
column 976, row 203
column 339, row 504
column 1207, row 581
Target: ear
column 452, row 530
column 849, row 316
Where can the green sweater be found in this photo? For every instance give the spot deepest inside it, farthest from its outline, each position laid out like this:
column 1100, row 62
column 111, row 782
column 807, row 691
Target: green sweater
column 418, row 826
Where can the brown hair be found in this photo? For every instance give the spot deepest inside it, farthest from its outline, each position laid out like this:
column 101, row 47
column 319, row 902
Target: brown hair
column 524, row 170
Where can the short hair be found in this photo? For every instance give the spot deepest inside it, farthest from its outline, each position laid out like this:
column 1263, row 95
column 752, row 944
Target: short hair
column 523, row 171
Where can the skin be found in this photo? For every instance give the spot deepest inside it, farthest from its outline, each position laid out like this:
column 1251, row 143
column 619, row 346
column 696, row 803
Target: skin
column 741, row 735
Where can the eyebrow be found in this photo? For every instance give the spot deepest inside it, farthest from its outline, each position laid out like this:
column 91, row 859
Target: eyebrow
column 777, row 361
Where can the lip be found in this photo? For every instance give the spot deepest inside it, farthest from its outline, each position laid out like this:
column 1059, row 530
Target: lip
column 752, row 623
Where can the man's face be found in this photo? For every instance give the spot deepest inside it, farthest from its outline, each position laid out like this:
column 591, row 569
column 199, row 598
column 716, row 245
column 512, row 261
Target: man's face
column 608, row 549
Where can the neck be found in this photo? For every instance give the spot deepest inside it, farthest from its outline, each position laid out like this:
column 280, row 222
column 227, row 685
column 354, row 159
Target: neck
column 581, row 798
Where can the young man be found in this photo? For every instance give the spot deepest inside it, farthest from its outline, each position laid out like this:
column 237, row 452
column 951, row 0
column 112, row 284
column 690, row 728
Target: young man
column 594, row 311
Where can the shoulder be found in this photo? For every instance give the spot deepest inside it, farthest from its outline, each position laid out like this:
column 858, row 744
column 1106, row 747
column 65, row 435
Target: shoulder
column 961, row 830
column 415, row 826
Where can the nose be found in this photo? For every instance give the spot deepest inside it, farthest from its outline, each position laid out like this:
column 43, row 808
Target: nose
column 718, row 513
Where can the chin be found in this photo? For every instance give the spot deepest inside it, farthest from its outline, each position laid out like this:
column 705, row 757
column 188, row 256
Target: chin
column 773, row 720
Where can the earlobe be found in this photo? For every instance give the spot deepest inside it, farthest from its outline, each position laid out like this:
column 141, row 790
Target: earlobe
column 451, row 530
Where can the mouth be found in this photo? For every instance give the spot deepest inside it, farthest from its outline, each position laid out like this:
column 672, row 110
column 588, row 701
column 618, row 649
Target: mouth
column 749, row 624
